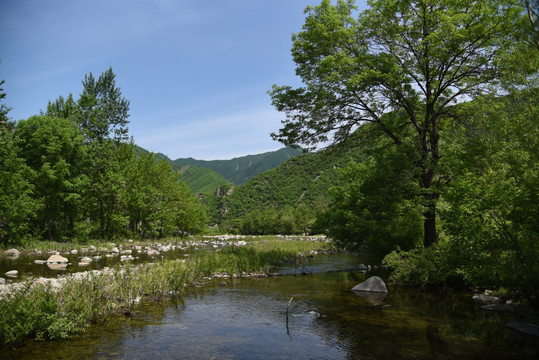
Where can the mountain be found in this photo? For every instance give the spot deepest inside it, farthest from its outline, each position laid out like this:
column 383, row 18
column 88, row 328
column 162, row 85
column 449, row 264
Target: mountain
column 202, row 180
column 242, row 169
column 304, row 179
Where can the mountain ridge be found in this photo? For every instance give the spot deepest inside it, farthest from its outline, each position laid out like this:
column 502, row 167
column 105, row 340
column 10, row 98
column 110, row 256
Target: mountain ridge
column 239, row 170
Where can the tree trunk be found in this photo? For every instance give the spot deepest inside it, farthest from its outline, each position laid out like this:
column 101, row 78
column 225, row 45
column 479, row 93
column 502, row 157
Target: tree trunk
column 429, row 224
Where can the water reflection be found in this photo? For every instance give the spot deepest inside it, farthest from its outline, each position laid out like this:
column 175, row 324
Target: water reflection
column 246, row 319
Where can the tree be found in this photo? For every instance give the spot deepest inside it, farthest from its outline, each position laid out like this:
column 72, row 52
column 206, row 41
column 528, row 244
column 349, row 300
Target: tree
column 492, row 204
column 103, row 110
column 416, row 58
column 102, row 115
column 53, row 149
column 17, row 206
column 376, row 204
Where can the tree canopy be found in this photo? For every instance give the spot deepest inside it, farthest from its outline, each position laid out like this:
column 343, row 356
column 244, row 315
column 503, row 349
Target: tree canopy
column 412, row 59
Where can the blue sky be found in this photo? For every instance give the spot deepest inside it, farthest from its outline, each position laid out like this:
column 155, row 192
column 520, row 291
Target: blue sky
column 196, row 72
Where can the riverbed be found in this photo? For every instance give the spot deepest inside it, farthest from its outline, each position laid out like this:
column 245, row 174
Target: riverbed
column 309, row 313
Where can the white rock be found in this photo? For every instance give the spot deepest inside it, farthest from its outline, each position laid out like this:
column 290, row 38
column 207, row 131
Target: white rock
column 40, row 262
column 57, row 266
column 86, row 259
column 57, row 259
column 12, row 273
column 12, row 252
column 74, row 251
column 115, row 250
column 2, row 281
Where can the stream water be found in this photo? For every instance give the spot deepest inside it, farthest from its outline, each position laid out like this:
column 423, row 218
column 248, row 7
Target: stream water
column 247, row 319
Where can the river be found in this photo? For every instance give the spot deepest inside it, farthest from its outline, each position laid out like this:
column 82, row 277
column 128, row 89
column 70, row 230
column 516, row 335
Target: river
column 247, row 319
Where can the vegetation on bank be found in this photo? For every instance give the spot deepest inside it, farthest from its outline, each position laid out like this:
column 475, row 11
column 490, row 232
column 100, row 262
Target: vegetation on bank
column 45, row 312
column 71, row 174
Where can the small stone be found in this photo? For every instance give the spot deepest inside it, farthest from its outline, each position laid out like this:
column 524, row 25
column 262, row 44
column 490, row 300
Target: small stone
column 40, row 262
column 86, row 259
column 74, row 252
column 2, row 281
column 115, row 250
column 12, row 273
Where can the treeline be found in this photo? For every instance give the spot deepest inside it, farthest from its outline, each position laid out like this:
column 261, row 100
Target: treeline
column 72, row 173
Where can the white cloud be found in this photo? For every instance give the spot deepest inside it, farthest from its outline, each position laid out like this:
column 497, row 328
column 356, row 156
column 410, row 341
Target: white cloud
column 222, row 137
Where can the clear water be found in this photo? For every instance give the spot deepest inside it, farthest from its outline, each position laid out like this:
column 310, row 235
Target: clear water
column 247, row 319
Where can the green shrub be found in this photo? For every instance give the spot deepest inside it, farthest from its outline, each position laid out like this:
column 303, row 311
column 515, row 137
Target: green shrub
column 418, row 267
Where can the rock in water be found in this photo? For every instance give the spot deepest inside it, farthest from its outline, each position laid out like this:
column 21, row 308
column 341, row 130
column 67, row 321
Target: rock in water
column 57, row 259
column 12, row 273
column 485, row 298
column 12, row 252
column 372, row 284
column 524, row 328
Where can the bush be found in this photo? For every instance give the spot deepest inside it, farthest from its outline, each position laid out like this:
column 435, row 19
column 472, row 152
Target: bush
column 419, row 267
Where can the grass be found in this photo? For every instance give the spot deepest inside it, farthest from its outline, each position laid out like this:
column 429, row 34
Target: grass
column 40, row 312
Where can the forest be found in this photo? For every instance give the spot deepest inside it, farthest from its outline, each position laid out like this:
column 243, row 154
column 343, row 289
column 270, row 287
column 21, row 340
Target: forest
column 71, row 173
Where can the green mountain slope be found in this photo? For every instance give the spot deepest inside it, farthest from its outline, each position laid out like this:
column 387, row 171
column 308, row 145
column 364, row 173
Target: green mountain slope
column 303, row 179
column 202, row 180
column 242, row 169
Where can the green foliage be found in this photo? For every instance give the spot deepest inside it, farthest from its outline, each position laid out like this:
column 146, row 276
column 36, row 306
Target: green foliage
column 491, row 215
column 202, row 180
column 415, row 58
column 419, row 267
column 376, row 205
column 102, row 111
column 53, row 149
column 69, row 174
column 300, row 183
column 17, row 205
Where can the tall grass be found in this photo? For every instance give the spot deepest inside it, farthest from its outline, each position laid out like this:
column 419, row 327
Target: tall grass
column 42, row 312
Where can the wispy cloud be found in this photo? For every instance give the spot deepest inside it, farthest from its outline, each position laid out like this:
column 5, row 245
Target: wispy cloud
column 221, row 137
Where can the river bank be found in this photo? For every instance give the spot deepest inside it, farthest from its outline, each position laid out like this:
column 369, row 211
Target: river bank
column 57, row 308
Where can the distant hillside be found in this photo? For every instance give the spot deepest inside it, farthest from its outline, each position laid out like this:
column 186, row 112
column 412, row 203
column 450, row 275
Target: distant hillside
column 202, row 180
column 242, row 169
column 304, row 179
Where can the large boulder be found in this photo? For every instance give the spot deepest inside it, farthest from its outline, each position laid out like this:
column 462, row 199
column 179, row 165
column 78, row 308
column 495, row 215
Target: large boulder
column 373, row 284
column 57, row 259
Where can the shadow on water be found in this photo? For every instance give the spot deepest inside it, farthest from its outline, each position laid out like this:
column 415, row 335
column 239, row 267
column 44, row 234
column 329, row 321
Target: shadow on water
column 246, row 319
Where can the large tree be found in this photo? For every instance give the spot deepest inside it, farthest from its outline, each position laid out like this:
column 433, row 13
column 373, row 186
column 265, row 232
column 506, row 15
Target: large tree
column 415, row 59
